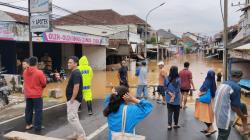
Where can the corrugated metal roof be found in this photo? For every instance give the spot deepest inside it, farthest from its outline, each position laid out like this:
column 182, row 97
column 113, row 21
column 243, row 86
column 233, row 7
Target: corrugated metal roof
column 243, row 47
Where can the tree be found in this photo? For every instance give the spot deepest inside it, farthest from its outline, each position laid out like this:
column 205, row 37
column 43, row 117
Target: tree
column 153, row 40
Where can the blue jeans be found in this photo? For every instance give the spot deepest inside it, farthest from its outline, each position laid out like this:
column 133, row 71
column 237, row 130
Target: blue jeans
column 37, row 105
column 140, row 89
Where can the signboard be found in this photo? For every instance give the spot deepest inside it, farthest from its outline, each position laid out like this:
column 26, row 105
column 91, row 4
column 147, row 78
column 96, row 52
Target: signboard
column 40, row 23
column 62, row 36
column 40, row 6
column 13, row 31
column 20, row 32
column 240, row 54
column 5, row 31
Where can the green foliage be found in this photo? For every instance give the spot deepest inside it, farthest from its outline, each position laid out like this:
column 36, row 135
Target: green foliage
column 153, row 40
column 187, row 50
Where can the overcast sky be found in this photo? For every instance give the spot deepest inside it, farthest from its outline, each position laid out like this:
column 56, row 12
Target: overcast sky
column 199, row 16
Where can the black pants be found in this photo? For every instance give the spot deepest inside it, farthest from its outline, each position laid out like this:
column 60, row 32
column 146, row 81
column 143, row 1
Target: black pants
column 223, row 133
column 124, row 83
column 173, row 111
column 37, row 105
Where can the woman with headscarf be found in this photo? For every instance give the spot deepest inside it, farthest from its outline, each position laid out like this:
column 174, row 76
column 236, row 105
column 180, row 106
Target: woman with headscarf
column 204, row 111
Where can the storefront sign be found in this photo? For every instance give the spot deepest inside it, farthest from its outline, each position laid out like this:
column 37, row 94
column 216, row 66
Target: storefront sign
column 60, row 36
column 20, row 32
column 40, row 23
column 5, row 32
column 13, row 31
column 40, row 6
column 240, row 54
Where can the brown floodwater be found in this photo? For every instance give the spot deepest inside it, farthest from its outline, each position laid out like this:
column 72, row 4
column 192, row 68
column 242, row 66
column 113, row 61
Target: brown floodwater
column 103, row 79
column 198, row 65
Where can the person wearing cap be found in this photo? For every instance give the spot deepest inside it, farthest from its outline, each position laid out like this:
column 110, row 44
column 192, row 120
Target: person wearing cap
column 160, row 88
column 228, row 104
column 142, row 83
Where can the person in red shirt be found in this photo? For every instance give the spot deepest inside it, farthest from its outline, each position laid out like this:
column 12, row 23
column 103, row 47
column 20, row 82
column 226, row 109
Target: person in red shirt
column 34, row 83
column 186, row 83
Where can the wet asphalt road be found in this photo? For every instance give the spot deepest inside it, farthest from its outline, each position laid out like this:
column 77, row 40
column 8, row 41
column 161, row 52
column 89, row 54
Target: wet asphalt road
column 154, row 127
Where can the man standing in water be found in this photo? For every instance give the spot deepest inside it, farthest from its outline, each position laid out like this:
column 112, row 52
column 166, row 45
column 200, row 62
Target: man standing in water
column 123, row 74
column 74, row 99
column 142, row 83
column 186, row 83
column 160, row 88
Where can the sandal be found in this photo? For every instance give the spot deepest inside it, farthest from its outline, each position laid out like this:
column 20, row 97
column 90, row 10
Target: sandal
column 176, row 126
column 28, row 127
column 169, row 128
column 208, row 134
column 246, row 133
column 204, row 131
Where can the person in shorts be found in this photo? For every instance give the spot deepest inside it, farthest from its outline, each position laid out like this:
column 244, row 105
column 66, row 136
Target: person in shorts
column 160, row 88
column 186, row 83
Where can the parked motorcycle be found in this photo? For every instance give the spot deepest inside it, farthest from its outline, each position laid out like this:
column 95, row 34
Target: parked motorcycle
column 63, row 75
column 55, row 76
column 5, row 90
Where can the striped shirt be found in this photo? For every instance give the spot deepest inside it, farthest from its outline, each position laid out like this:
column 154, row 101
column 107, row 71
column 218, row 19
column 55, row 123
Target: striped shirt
column 227, row 95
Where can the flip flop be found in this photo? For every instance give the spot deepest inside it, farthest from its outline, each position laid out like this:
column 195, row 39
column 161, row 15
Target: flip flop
column 159, row 102
column 29, row 128
column 246, row 133
column 176, row 126
column 208, row 134
column 203, row 131
column 169, row 128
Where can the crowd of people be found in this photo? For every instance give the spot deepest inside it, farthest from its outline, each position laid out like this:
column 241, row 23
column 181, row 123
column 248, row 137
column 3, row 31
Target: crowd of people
column 221, row 103
column 78, row 88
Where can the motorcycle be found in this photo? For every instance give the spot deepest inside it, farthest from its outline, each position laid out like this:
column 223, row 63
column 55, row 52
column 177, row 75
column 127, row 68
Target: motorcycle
column 63, row 75
column 5, row 90
column 56, row 76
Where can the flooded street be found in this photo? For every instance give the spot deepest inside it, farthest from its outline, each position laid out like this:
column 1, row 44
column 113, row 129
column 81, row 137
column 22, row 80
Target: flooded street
column 102, row 80
column 198, row 65
column 101, row 87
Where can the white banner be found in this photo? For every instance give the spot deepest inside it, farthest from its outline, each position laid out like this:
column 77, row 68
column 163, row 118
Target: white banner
column 40, row 6
column 40, row 23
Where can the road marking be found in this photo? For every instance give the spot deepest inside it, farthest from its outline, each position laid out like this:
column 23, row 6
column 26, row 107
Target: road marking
column 97, row 132
column 18, row 117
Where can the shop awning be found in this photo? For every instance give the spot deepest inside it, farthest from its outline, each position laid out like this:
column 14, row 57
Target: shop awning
column 243, row 47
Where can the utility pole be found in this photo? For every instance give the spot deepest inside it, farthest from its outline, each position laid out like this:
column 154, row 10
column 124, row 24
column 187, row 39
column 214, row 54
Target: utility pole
column 30, row 33
column 146, row 28
column 225, row 40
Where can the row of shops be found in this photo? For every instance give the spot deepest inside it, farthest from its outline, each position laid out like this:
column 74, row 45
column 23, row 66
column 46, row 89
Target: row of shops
column 102, row 44
column 58, row 45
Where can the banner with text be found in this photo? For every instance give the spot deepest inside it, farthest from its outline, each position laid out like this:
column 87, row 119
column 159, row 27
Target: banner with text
column 61, row 36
